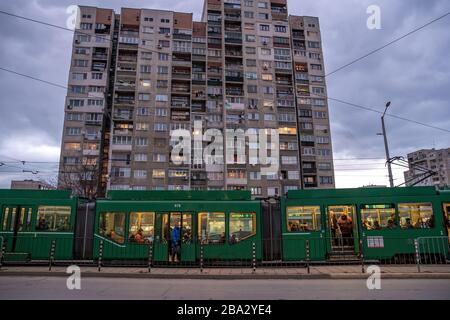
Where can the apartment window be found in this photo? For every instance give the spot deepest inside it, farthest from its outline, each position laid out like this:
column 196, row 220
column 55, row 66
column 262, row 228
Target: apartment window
column 319, row 102
column 268, row 90
column 143, row 111
column 95, row 102
column 263, row 5
column 266, row 52
column 293, row 175
column 163, row 70
column 267, row 77
column 315, row 56
column 251, row 75
column 82, row 38
column 253, row 116
column 324, row 166
column 318, row 90
column 165, row 21
column 159, row 173
column 144, row 96
column 73, row 131
column 146, row 68
column 159, row 112
column 316, row 67
column 162, row 98
column 324, row 152
column 322, row 140
column 287, row 130
column 141, row 141
column 97, row 76
column 72, row 146
column 146, row 55
column 320, row 114
column 249, row 14
column 78, row 89
column 269, row 117
column 140, row 157
column 80, row 63
column 248, row 3
column 252, row 89
column 86, row 26
column 313, row 44
column 250, row 50
column 250, row 38
column 96, row 89
column 120, row 172
column 308, row 151
column 74, row 117
column 161, row 84
column 160, row 127
column 82, row 50
column 164, row 43
column 79, row 76
column 142, row 126
column 279, row 28
column 122, row 140
column 76, row 103
column 159, row 157
column 254, row 175
column 164, row 30
column 163, row 56
column 251, row 62
column 256, row 191
column 286, row 117
column 326, row 180
column 140, row 174
column 288, row 160
column 263, row 16
column 148, row 30
column 264, row 27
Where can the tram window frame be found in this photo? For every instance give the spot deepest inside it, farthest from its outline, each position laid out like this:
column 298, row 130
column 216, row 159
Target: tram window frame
column 6, row 214
column 424, row 225
column 316, row 218
column 205, row 238
column 147, row 235
column 236, row 239
column 187, row 228
column 120, row 239
column 53, row 212
column 378, row 208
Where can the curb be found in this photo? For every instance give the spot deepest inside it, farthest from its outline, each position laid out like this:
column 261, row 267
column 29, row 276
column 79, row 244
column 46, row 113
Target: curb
column 393, row 276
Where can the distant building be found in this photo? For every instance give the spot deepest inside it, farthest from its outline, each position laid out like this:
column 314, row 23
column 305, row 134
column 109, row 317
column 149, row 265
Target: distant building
column 31, row 185
column 431, row 159
column 375, row 186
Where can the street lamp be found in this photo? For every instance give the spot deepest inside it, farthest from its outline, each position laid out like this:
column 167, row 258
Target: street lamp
column 386, row 147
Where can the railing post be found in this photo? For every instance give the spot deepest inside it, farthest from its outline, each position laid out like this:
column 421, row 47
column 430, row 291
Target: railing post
column 361, row 254
column 307, row 255
column 2, row 251
column 254, row 257
column 416, row 247
column 52, row 255
column 201, row 256
column 100, row 255
column 150, row 256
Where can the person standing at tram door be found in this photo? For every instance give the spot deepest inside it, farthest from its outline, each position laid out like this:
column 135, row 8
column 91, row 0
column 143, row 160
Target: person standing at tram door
column 176, row 245
column 334, row 228
column 345, row 224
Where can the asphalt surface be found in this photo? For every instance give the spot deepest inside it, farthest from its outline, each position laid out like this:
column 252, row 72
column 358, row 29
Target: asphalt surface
column 182, row 289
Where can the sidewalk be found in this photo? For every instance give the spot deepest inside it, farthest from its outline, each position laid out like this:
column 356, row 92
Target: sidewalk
column 316, row 272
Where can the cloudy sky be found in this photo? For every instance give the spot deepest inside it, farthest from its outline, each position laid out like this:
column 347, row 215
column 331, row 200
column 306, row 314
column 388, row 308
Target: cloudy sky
column 413, row 74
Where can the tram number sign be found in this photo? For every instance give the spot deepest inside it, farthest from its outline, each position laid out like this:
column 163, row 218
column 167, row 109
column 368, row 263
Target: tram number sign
column 375, row 242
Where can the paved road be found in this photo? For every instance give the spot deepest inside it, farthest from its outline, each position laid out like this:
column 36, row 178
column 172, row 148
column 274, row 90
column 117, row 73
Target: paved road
column 171, row 289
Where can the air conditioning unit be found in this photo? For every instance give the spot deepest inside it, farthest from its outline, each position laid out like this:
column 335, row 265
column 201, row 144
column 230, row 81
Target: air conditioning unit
column 69, row 107
column 167, row 35
column 265, row 67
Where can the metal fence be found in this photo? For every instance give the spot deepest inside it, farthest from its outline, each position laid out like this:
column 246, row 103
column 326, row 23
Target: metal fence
column 294, row 252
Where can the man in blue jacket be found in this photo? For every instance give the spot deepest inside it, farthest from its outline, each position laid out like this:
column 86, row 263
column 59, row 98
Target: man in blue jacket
column 176, row 243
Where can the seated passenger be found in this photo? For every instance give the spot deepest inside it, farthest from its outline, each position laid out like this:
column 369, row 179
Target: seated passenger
column 233, row 239
column 367, row 225
column 376, row 225
column 390, row 224
column 138, row 237
column 222, row 237
column 408, row 224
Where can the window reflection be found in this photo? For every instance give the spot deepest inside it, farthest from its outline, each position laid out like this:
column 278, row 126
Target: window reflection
column 242, row 225
column 211, row 227
column 416, row 215
column 112, row 226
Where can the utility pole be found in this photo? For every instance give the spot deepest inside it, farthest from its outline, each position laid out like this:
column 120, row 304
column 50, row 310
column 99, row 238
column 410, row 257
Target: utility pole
column 386, row 147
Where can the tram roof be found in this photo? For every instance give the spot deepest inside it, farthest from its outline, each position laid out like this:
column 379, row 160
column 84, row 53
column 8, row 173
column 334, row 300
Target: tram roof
column 361, row 192
column 160, row 195
column 35, row 194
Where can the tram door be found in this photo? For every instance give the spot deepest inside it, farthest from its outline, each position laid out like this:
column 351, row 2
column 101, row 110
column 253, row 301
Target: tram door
column 174, row 240
column 447, row 219
column 15, row 219
column 342, row 227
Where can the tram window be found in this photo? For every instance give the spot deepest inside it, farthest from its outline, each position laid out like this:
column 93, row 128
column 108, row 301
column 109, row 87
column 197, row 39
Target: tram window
column 378, row 216
column 21, row 219
column 13, row 219
column 242, row 225
column 141, row 227
column 187, row 229
column 416, row 215
column 28, row 225
column 5, row 219
column 53, row 218
column 211, row 227
column 112, row 226
column 304, row 218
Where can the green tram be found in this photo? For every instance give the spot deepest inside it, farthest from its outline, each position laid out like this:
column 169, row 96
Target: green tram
column 32, row 219
column 226, row 226
column 384, row 223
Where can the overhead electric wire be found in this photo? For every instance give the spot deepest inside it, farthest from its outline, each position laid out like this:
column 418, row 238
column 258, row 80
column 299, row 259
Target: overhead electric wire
column 387, row 44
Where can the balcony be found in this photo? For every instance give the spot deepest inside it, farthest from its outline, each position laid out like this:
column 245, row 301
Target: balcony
column 124, row 100
column 233, row 37
column 236, row 17
column 234, row 106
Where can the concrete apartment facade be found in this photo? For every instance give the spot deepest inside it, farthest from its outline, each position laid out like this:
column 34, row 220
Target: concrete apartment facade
column 430, row 159
column 138, row 75
column 31, row 185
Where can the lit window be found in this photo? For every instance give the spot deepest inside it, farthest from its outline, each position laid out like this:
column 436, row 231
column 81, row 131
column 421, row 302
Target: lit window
column 112, row 226
column 305, row 218
column 141, row 227
column 53, row 218
column 416, row 215
column 378, row 216
column 242, row 226
column 211, row 227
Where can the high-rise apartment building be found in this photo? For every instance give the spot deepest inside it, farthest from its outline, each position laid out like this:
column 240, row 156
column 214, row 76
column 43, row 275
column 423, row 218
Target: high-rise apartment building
column 137, row 76
column 420, row 161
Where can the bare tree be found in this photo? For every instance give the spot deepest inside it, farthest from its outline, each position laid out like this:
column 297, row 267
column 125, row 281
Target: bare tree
column 82, row 179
